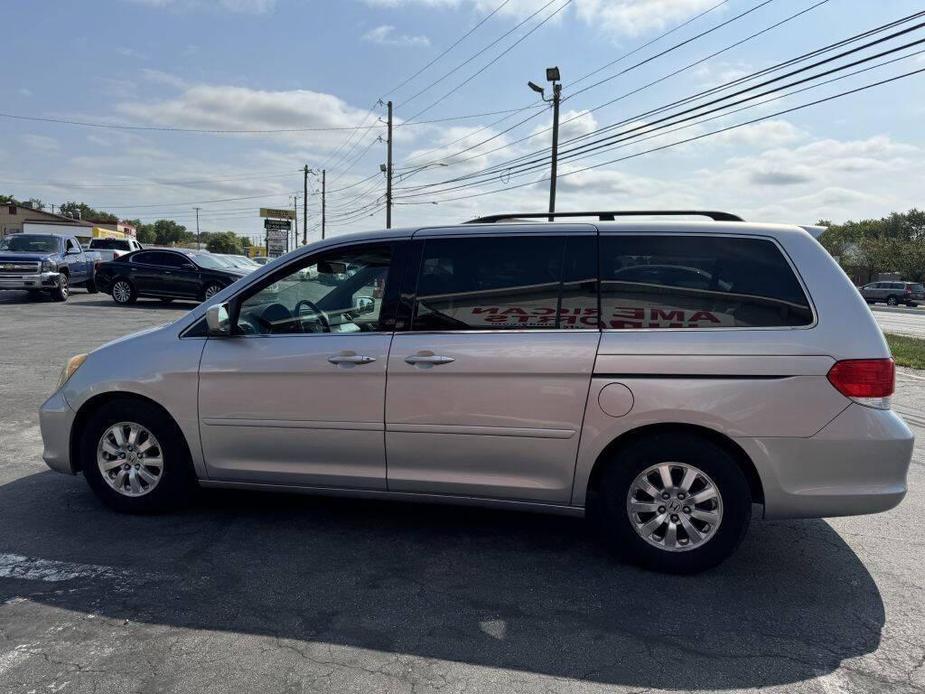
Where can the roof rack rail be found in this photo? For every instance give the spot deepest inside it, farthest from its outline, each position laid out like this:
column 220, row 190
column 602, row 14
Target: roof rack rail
column 608, row 216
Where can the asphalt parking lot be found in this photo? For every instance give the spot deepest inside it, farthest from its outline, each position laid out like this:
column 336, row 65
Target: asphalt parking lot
column 267, row 593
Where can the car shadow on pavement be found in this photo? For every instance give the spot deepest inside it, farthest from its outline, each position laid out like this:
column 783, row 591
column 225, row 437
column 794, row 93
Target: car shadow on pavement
column 505, row 590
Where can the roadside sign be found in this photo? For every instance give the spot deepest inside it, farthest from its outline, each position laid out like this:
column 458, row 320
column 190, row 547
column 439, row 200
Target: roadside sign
column 277, row 224
column 276, row 214
column 276, row 242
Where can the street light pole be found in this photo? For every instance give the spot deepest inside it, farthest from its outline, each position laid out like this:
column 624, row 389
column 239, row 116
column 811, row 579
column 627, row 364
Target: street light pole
column 556, row 92
column 388, row 174
column 198, row 235
column 323, row 201
column 552, row 75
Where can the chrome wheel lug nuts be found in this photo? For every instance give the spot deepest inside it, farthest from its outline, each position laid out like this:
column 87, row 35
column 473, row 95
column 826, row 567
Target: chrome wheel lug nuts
column 687, row 509
column 661, row 509
column 681, row 496
column 666, row 496
column 674, row 518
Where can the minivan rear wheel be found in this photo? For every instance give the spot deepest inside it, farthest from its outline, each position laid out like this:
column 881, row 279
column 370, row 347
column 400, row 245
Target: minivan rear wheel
column 134, row 458
column 891, row 301
column 677, row 503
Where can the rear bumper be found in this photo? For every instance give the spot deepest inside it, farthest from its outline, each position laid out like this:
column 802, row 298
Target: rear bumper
column 41, row 280
column 856, row 465
column 56, row 419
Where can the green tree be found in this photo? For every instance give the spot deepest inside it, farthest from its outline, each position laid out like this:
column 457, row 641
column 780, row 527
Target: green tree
column 35, row 203
column 872, row 246
column 87, row 213
column 224, row 242
column 167, row 232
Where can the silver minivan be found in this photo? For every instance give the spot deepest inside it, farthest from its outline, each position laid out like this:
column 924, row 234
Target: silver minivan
column 668, row 379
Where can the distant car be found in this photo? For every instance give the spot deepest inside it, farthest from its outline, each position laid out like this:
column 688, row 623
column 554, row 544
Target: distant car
column 240, row 261
column 52, row 263
column 261, row 259
column 166, row 275
column 110, row 249
column 893, row 293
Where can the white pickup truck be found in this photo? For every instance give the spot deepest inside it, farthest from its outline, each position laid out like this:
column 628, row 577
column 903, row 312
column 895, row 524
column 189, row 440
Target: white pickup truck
column 110, row 249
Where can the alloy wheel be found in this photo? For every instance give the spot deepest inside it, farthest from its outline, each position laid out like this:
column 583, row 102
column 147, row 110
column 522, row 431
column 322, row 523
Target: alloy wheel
column 130, row 459
column 121, row 292
column 674, row 506
column 212, row 290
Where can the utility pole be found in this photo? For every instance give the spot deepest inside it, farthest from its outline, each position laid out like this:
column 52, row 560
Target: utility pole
column 305, row 206
column 552, row 75
column 388, row 173
column 295, row 222
column 198, row 235
column 323, row 201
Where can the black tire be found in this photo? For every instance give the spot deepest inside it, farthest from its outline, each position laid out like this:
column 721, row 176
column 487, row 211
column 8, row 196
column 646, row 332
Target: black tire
column 211, row 289
column 90, row 286
column 63, row 290
column 614, row 519
column 891, row 301
column 176, row 482
column 123, row 298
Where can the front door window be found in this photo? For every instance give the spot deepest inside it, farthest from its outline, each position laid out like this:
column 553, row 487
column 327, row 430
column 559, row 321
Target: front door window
column 338, row 292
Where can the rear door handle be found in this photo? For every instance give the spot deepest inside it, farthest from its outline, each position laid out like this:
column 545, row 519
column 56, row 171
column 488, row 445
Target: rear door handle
column 428, row 360
column 349, row 359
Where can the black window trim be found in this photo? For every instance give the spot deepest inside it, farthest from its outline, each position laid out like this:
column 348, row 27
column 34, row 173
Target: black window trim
column 495, row 233
column 389, row 298
column 761, row 237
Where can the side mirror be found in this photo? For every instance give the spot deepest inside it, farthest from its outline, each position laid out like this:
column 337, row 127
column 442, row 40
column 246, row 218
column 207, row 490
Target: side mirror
column 72, row 251
column 364, row 304
column 218, row 320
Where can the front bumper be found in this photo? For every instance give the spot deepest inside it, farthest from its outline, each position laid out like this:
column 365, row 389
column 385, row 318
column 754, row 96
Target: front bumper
column 856, row 465
column 40, row 280
column 56, row 419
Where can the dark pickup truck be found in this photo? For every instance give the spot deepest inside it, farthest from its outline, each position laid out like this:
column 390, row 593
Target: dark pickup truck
column 46, row 263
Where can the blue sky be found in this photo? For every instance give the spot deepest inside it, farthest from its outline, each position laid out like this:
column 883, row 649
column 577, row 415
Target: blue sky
column 290, row 64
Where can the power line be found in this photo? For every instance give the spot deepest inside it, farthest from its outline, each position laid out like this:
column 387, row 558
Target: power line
column 695, row 137
column 496, row 59
column 511, row 167
column 449, row 48
column 647, row 60
column 474, row 56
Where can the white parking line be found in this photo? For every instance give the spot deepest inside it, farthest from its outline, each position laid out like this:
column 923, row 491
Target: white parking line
column 30, row 568
column 910, row 376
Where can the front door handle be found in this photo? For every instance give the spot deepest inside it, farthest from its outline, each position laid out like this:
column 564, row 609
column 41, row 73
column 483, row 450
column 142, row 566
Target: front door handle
column 350, row 358
column 427, row 360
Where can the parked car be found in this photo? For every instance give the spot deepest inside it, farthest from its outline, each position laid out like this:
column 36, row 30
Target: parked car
column 517, row 365
column 261, row 259
column 110, row 249
column 165, row 274
column 894, row 293
column 239, row 261
column 51, row 263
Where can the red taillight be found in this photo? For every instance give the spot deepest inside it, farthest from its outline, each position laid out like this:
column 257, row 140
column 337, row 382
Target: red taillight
column 864, row 378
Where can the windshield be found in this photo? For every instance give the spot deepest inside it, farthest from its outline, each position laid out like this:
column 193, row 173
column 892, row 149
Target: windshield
column 109, row 244
column 210, row 261
column 30, row 243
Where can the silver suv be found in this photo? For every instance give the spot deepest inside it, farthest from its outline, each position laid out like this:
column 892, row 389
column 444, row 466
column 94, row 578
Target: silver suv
column 660, row 377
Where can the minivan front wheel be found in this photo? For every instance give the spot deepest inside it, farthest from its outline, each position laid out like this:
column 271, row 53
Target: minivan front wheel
column 134, row 458
column 676, row 503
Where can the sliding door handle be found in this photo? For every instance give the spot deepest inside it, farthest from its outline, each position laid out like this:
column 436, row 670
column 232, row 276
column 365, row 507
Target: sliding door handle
column 428, row 360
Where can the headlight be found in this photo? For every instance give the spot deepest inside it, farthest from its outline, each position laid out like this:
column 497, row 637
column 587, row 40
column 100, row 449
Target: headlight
column 71, row 367
column 49, row 266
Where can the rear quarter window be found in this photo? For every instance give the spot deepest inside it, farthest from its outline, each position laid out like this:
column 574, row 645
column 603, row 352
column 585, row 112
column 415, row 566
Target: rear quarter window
column 698, row 282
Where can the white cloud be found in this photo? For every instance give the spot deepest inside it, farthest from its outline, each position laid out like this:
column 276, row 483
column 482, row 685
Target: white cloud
column 385, row 36
column 624, row 17
column 224, row 107
column 128, row 52
column 240, row 6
